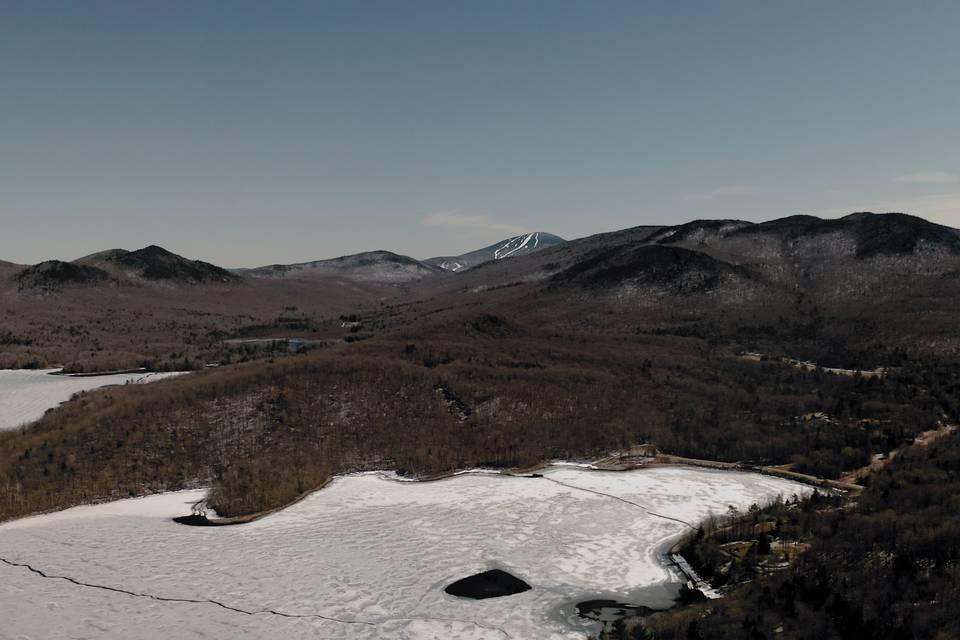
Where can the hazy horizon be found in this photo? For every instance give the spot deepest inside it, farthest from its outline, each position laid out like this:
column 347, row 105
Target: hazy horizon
column 251, row 134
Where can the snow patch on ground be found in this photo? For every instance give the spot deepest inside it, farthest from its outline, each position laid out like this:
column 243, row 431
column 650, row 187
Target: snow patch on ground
column 368, row 554
column 26, row 394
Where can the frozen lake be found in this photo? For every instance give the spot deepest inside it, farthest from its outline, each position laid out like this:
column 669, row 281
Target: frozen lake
column 26, row 394
column 366, row 557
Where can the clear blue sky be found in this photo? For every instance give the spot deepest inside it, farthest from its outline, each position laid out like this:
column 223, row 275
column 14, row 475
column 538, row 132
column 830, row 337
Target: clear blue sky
column 252, row 133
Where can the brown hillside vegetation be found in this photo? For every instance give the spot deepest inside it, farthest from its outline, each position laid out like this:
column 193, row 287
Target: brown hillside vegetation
column 107, row 326
column 533, row 391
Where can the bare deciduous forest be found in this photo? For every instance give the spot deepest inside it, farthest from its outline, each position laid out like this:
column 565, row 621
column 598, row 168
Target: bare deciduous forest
column 885, row 568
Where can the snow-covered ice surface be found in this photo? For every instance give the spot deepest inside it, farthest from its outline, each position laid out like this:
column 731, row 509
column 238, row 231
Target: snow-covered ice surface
column 366, row 557
column 26, row 394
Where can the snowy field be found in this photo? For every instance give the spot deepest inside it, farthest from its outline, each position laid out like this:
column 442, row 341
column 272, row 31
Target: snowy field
column 26, row 394
column 366, row 557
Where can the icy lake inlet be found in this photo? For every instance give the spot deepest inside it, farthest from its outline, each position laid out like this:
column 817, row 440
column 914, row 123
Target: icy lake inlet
column 366, row 557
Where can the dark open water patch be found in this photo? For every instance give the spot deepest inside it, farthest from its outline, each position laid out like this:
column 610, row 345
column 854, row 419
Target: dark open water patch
column 594, row 611
column 489, row 584
column 609, row 610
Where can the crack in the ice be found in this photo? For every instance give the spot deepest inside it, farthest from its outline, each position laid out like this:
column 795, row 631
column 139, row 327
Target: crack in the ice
column 630, row 502
column 151, row 596
column 43, row 574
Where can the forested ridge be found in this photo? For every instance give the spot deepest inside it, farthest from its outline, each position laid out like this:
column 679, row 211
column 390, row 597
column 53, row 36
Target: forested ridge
column 439, row 404
column 887, row 567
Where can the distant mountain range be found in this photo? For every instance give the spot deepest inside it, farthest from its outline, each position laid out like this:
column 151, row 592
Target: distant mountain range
column 695, row 257
column 882, row 277
column 154, row 264
column 385, row 266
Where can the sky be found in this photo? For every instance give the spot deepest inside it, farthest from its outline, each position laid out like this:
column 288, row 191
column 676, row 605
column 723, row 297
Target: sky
column 256, row 133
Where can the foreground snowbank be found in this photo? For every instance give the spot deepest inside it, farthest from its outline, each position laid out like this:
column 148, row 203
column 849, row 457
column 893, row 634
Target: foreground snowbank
column 366, row 557
column 26, row 394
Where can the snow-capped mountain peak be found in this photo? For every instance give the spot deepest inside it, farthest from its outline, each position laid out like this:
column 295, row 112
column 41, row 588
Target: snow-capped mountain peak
column 516, row 246
column 530, row 241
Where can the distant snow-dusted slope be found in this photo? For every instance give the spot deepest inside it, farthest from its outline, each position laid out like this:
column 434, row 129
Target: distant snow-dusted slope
column 26, row 394
column 516, row 246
